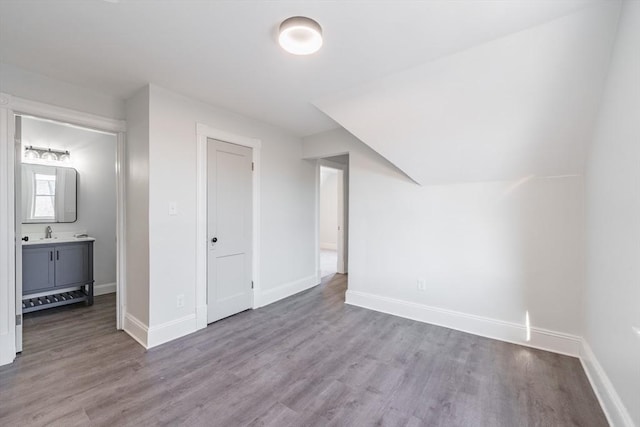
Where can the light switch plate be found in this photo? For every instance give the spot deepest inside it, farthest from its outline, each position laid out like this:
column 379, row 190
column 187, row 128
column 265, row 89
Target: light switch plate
column 173, row 208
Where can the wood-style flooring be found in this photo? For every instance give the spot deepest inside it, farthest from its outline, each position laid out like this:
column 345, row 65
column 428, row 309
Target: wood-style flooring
column 308, row 360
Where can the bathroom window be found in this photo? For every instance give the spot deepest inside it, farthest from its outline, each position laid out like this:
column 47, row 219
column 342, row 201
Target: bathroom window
column 44, row 196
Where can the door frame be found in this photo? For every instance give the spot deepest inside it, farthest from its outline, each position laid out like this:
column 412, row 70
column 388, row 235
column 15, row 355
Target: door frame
column 203, row 132
column 343, row 238
column 10, row 106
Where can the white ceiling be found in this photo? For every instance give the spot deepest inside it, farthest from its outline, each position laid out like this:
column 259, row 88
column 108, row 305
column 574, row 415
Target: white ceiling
column 520, row 106
column 225, row 52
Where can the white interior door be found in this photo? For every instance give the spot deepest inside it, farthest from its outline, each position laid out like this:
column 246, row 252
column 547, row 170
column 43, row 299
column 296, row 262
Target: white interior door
column 18, row 228
column 229, row 211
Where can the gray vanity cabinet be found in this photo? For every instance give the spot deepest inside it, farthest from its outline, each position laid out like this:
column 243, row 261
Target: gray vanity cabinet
column 50, row 270
column 72, row 264
column 38, row 269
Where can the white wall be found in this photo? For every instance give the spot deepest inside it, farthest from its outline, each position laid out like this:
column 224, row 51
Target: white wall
column 287, row 202
column 613, row 228
column 36, row 87
column 94, row 157
column 328, row 208
column 137, row 210
column 490, row 249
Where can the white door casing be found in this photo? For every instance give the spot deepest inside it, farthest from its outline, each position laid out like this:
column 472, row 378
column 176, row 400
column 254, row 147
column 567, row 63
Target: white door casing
column 10, row 107
column 229, row 229
column 18, row 228
column 340, row 268
column 343, row 214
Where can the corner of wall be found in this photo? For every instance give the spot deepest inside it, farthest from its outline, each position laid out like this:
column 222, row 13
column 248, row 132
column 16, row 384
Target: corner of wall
column 610, row 401
column 171, row 330
column 542, row 339
column 285, row 290
column 136, row 329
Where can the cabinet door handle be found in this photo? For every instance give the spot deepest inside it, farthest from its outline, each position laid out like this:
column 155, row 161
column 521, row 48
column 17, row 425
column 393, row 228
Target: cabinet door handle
column 51, row 256
column 57, row 255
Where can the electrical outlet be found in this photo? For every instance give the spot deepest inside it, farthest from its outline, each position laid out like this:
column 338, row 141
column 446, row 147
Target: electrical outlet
column 180, row 301
column 422, row 285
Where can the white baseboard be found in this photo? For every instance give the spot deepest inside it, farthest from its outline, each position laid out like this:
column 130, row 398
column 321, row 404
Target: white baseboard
column 171, row 330
column 610, row 401
column 103, row 289
column 136, row 329
column 478, row 325
column 7, row 348
column 201, row 316
column 283, row 291
column 330, row 246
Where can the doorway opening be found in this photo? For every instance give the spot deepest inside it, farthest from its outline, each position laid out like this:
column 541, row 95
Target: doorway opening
column 66, row 215
column 333, row 209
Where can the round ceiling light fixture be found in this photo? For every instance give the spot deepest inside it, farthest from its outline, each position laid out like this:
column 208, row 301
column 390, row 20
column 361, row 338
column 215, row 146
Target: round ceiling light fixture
column 300, row 35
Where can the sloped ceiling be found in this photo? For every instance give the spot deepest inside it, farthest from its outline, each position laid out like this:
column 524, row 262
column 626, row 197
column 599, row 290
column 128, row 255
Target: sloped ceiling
column 522, row 105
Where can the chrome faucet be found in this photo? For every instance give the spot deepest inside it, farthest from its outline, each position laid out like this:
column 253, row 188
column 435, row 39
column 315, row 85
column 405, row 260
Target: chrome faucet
column 47, row 232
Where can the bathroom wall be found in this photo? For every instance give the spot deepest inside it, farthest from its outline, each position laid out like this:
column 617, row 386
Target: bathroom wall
column 93, row 155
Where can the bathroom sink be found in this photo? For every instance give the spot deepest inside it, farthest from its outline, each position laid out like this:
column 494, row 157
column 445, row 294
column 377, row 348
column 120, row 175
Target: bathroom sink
column 56, row 239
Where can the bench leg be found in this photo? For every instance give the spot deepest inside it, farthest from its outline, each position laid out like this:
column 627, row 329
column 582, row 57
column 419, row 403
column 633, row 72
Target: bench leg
column 90, row 294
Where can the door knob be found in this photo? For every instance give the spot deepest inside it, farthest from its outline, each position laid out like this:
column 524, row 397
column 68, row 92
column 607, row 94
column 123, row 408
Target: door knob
column 25, row 238
column 215, row 239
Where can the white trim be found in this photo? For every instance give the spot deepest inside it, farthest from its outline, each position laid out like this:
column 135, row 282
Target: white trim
column 610, row 401
column 104, row 289
column 316, row 231
column 332, row 165
column 121, row 231
column 7, row 235
column 542, row 339
column 52, row 112
column 286, row 290
column 171, row 330
column 329, row 246
column 136, row 329
column 7, row 348
column 9, row 107
column 343, row 236
column 203, row 132
column 245, row 141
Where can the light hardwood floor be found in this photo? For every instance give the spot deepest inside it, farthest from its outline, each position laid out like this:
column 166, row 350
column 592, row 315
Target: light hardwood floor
column 307, row 360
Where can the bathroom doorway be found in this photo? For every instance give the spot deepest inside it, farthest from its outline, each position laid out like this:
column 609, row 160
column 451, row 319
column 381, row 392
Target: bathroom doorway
column 333, row 215
column 66, row 216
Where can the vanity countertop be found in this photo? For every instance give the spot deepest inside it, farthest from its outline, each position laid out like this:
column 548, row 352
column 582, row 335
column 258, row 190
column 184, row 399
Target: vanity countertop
column 54, row 240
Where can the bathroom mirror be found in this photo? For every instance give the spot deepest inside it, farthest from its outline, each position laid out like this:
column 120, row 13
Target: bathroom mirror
column 48, row 194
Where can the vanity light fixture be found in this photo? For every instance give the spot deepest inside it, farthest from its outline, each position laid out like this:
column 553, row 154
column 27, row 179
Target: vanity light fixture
column 31, row 154
column 300, row 35
column 65, row 157
column 48, row 155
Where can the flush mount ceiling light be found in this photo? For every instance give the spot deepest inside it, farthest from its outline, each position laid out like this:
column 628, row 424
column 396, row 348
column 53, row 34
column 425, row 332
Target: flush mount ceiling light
column 300, row 35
